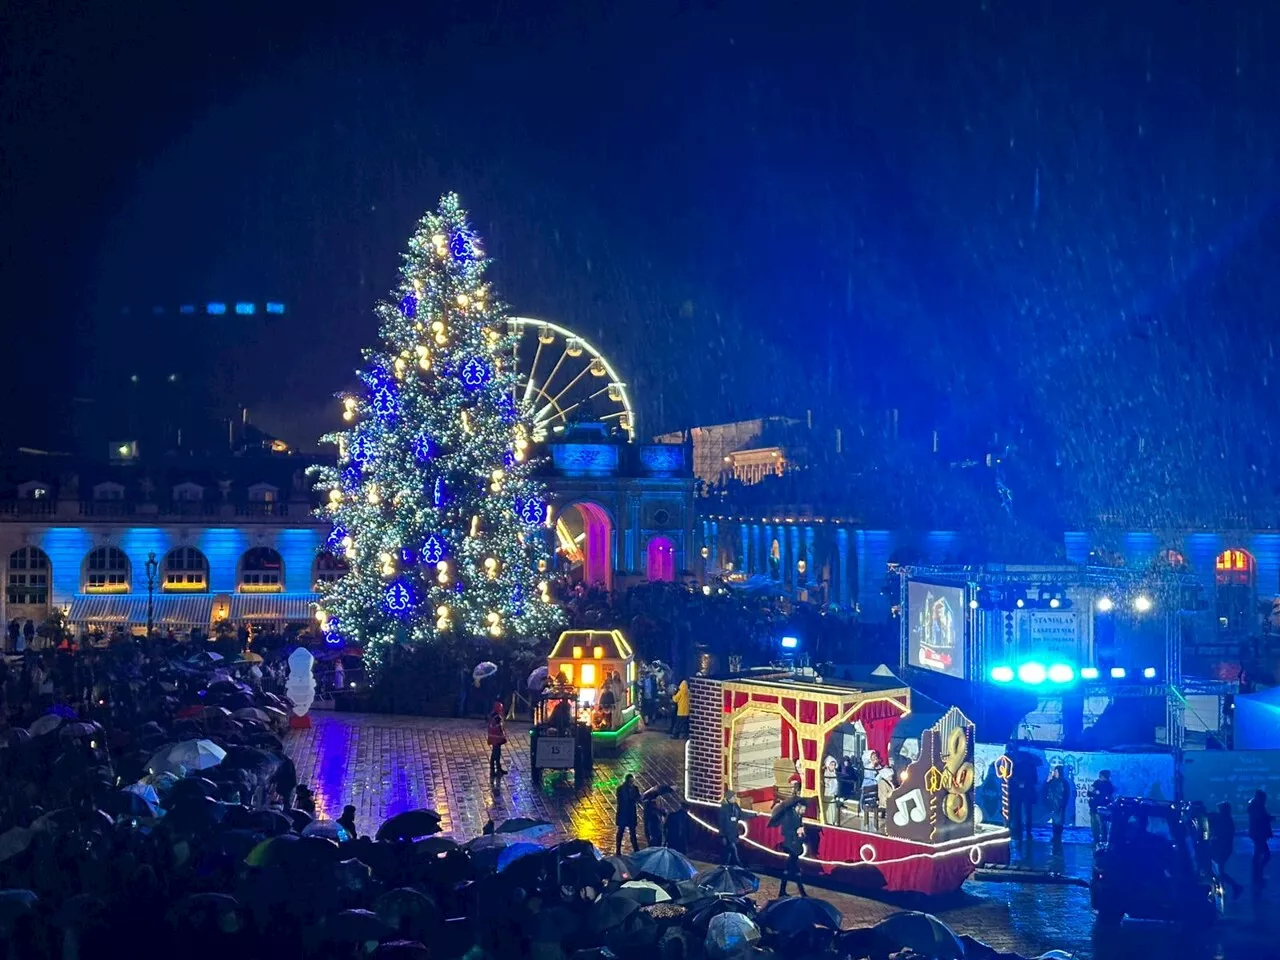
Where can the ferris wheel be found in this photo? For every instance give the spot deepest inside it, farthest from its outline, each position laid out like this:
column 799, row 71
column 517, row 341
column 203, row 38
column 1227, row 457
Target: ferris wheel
column 563, row 380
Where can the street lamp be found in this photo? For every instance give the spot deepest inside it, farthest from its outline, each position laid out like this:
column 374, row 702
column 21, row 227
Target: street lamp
column 151, row 590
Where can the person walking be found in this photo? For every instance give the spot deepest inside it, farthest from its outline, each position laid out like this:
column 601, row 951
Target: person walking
column 497, row 736
column 792, row 826
column 1100, row 793
column 1260, row 833
column 625, row 819
column 730, row 819
column 1222, row 841
column 1055, row 798
column 680, row 722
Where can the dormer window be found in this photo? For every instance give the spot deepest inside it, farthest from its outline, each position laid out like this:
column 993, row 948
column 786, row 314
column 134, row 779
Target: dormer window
column 263, row 493
column 33, row 490
column 108, row 491
column 188, row 493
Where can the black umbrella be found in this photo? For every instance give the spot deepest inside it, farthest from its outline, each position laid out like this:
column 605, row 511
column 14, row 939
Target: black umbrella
column 731, row 880
column 775, row 816
column 408, row 911
column 922, row 932
column 663, row 863
column 299, row 820
column 191, row 786
column 661, row 790
column 209, row 911
column 409, row 825
column 192, row 814
column 788, row 915
column 435, row 847
column 356, row 926
column 271, row 822
column 527, row 825
column 610, row 912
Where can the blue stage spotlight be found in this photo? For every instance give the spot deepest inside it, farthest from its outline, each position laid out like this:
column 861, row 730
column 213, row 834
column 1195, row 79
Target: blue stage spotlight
column 1061, row 673
column 1002, row 674
column 1148, row 673
column 973, row 604
column 1142, row 603
column 1105, row 605
column 1088, row 673
column 1032, row 674
column 1117, row 673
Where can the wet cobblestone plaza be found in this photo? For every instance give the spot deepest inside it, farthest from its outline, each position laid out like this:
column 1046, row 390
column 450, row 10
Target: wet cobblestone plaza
column 384, row 765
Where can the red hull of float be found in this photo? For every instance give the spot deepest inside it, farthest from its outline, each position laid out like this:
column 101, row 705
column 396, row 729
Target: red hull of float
column 872, row 862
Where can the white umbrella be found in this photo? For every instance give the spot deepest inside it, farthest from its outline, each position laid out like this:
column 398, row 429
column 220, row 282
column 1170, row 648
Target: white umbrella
column 646, row 892
column 185, row 756
column 46, row 724
column 538, row 679
column 485, row 668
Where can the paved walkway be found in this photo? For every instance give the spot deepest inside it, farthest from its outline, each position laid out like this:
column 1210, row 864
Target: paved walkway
column 384, row 765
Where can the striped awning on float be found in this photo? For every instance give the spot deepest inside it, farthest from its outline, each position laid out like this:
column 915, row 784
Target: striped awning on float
column 130, row 609
column 277, row 607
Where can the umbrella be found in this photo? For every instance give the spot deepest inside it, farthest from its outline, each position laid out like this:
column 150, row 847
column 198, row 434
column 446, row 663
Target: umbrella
column 437, row 847
column 212, row 911
column 407, row 910
column 62, row 710
column 402, row 950
column 623, row 868
column 610, row 912
column 526, row 825
column 538, row 679
column 329, row 829
column 270, row 821
column 488, row 841
column 206, row 656
column 643, row 892
column 252, row 713
column 550, row 925
column 661, row 790
column 796, row 914
column 410, row 824
column 144, row 790
column 731, row 880
column 187, row 755
column 131, row 804
column 577, row 848
column 775, row 816
column 191, row 787
column 71, row 731
column 485, row 668
column 664, row 863
column 727, row 933
column 250, row 657
column 708, row 910
column 922, row 932
column 516, row 851
column 270, row 850
column 14, row 842
column 46, row 724
column 356, row 926
column 13, row 904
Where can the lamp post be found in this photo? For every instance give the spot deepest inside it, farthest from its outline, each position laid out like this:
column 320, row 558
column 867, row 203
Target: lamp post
column 151, row 590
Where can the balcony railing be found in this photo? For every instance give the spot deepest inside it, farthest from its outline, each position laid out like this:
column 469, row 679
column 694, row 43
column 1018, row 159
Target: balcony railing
column 215, row 511
column 255, row 508
column 106, row 508
column 27, row 508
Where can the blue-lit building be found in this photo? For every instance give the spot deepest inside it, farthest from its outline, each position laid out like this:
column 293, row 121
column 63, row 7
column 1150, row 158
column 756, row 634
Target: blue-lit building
column 236, row 538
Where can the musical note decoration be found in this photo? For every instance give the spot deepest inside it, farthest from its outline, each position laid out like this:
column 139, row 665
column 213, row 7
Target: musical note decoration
column 934, row 802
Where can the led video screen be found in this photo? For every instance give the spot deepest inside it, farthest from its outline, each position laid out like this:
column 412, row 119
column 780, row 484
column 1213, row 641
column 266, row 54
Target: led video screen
column 937, row 639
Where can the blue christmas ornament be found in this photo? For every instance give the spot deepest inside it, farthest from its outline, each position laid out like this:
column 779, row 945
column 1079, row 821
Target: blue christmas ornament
column 531, row 510
column 508, row 460
column 409, row 306
column 360, row 450
column 476, row 373
column 435, row 549
column 331, row 635
column 507, row 409
column 385, row 401
column 398, row 598
column 351, row 478
column 333, row 543
column 462, row 245
column 517, row 600
column 458, row 587
column 423, row 448
column 409, row 557
column 439, row 495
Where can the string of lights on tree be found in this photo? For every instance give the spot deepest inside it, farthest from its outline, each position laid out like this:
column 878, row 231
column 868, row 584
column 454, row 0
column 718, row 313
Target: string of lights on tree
column 432, row 500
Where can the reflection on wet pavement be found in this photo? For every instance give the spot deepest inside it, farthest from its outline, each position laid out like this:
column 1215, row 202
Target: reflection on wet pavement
column 384, row 765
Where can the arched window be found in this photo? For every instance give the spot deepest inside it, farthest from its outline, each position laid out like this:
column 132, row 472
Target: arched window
column 1234, row 573
column 661, row 560
column 186, row 570
column 328, row 568
column 106, row 571
column 28, row 577
column 261, row 571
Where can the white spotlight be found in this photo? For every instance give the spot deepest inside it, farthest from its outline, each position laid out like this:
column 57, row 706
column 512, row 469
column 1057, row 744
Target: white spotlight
column 1104, row 605
column 1142, row 603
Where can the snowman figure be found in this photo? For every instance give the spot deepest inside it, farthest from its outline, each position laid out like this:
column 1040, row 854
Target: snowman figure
column 301, row 686
column 831, row 787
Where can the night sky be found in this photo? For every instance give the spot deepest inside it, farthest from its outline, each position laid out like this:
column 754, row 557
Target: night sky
column 1054, row 220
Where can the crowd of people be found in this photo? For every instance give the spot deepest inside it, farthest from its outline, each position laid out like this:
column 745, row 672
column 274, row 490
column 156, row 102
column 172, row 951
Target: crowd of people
column 148, row 804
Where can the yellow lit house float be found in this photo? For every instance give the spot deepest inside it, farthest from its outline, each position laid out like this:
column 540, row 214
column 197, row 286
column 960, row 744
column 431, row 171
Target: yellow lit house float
column 602, row 666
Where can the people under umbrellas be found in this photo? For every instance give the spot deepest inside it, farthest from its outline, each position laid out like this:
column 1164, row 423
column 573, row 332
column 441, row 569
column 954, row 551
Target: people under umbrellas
column 628, row 797
column 730, row 818
column 497, row 736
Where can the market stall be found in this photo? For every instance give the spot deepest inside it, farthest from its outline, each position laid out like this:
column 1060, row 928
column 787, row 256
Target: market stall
column 601, row 665
column 880, row 811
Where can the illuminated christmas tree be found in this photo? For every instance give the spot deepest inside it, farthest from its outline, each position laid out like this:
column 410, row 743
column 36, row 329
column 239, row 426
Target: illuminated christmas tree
column 432, row 500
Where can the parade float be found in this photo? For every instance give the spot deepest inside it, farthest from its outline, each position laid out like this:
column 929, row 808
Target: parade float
column 601, row 665
column 884, row 778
